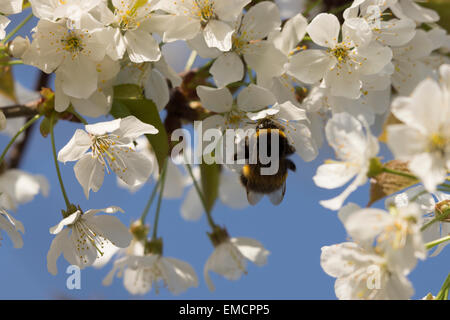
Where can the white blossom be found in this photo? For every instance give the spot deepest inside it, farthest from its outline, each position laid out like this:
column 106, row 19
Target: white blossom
column 342, row 64
column 396, row 233
column 247, row 44
column 152, row 77
column 12, row 227
column 98, row 103
column 142, row 272
column 131, row 30
column 18, row 187
column 82, row 236
column 72, row 10
column 286, row 41
column 366, row 19
column 429, row 208
column 74, row 53
column 213, row 19
column 229, row 258
column 411, row 9
column 111, row 145
column 362, row 274
column 354, row 148
column 231, row 113
column 424, row 137
column 10, row 6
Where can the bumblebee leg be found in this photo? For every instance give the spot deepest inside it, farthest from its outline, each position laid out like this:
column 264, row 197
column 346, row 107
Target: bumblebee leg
column 290, row 165
column 289, row 149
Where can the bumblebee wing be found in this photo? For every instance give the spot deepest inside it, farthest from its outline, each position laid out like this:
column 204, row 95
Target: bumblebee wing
column 277, row 196
column 253, row 197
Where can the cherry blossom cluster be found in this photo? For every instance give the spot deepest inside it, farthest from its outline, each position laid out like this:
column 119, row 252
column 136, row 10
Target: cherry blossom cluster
column 377, row 66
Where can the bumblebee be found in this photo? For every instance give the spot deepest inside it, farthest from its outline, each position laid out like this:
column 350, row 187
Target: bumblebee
column 257, row 184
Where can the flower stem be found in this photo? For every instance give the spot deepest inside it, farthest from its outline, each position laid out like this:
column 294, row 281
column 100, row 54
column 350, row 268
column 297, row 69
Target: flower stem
column 311, row 6
column 12, row 63
column 436, row 219
column 79, row 117
column 399, row 173
column 443, row 293
column 52, row 135
column 16, row 29
column 158, row 206
column 25, row 127
column 150, row 201
column 434, row 243
column 202, row 198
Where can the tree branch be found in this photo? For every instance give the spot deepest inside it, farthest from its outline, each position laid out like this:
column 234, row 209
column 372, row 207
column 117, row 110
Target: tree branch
column 28, row 110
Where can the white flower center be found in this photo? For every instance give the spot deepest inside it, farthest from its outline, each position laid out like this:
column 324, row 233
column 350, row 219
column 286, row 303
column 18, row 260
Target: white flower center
column 108, row 149
column 341, row 53
column 151, row 275
column 439, row 143
column 234, row 118
column 203, row 9
column 127, row 20
column 67, row 41
column 239, row 43
column 87, row 236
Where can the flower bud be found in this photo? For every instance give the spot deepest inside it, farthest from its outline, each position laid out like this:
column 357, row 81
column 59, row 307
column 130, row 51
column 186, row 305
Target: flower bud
column 443, row 210
column 139, row 230
column 18, row 46
column 154, row 246
column 218, row 236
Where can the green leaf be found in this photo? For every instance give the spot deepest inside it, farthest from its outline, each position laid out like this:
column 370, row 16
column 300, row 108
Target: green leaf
column 128, row 91
column 45, row 127
column 119, row 109
column 210, row 178
column 146, row 111
column 443, row 9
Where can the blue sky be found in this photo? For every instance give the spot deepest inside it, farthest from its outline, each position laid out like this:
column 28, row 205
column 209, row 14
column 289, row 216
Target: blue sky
column 293, row 232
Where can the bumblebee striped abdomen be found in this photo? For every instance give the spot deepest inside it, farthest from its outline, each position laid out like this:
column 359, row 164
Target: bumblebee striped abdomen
column 256, row 183
column 251, row 178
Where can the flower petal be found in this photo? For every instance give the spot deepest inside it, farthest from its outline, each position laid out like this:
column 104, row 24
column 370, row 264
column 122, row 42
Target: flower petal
column 324, row 30
column 141, row 46
column 254, row 98
column 218, row 35
column 310, row 66
column 133, row 128
column 111, row 228
column 216, row 100
column 192, row 208
column 76, row 147
column 89, row 173
column 227, row 68
column 156, row 89
column 251, row 249
column 65, row 222
column 55, row 251
column 251, row 26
